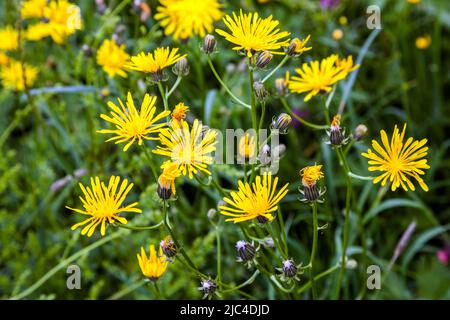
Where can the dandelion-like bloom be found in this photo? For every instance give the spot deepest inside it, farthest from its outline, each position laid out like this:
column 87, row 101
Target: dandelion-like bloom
column 254, row 201
column 103, row 204
column 13, row 77
column 64, row 19
column 400, row 161
column 33, row 8
column 112, row 58
column 297, row 46
column 154, row 266
column 190, row 149
column 252, row 34
column 131, row 124
column 310, row 175
column 154, row 62
column 166, row 181
column 179, row 112
column 318, row 76
column 37, row 31
column 423, row 42
column 9, row 39
column 185, row 18
column 247, row 146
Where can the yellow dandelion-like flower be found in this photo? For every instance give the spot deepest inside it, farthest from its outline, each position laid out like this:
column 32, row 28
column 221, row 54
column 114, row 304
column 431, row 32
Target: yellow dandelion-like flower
column 255, row 201
column 297, row 46
column 154, row 62
column 423, row 42
column 154, row 266
column 179, row 112
column 166, row 181
column 33, row 8
column 413, row 1
column 38, row 31
column 252, row 34
column 9, row 39
column 13, row 77
column 64, row 19
column 185, row 18
column 247, row 146
column 190, row 149
column 400, row 161
column 112, row 58
column 104, row 204
column 316, row 76
column 4, row 59
column 131, row 124
column 310, row 175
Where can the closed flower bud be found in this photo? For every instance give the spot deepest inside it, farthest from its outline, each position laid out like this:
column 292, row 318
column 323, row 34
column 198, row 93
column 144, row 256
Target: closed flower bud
column 335, row 133
column 164, row 192
column 360, row 132
column 263, row 59
column 268, row 242
column 168, row 246
column 289, row 268
column 278, row 151
column 209, row 44
column 266, row 155
column 87, row 51
column 245, row 250
column 207, row 287
column 211, row 213
column 282, row 123
column 262, row 219
column 181, row 68
column 260, row 92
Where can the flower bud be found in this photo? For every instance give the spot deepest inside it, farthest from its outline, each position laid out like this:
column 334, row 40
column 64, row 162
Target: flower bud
column 207, row 287
column 245, row 250
column 266, row 156
column 268, row 242
column 360, row 132
column 163, row 192
column 282, row 123
column 262, row 219
column 209, row 44
column 278, row 151
column 211, row 213
column 297, row 47
column 181, row 68
column 260, row 92
column 289, row 268
column 263, row 59
column 168, row 247
column 87, row 51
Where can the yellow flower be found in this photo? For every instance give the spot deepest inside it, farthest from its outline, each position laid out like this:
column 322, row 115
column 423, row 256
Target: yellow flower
column 33, row 8
column 103, row 204
column 155, row 265
column 320, row 76
column 297, row 46
column 12, row 75
column 38, row 31
column 166, row 181
column 413, row 1
column 112, row 58
column 190, row 149
column 400, row 161
column 185, row 18
column 247, row 146
column 155, row 62
column 179, row 112
column 132, row 124
column 64, row 19
column 252, row 34
column 310, row 175
column 256, row 201
column 423, row 42
column 337, row 34
column 9, row 39
column 4, row 59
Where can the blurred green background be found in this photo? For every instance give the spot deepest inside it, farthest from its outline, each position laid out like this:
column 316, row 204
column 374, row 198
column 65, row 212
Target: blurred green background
column 397, row 83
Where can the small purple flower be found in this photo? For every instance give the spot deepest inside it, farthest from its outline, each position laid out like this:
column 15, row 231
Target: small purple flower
column 289, row 268
column 329, row 4
column 246, row 250
column 443, row 255
column 208, row 287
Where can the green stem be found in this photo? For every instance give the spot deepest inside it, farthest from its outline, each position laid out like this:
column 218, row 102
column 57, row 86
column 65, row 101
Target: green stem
column 163, row 96
column 139, row 228
column 252, row 99
column 261, row 120
column 356, row 176
column 236, row 99
column 219, row 257
column 303, row 121
column 314, row 248
column 267, row 77
column 247, row 282
column 175, row 85
column 317, row 278
column 127, row 290
column 282, row 229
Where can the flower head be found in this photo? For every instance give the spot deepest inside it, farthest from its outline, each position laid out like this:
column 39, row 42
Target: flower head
column 246, row 251
column 318, row 76
column 252, row 34
column 64, row 19
column 112, row 58
column 132, row 125
column 208, row 287
column 179, row 112
column 190, row 149
column 297, row 46
column 33, row 8
column 185, row 18
column 38, row 31
column 400, row 161
column 13, row 77
column 154, row 62
column 4, row 59
column 259, row 199
column 423, row 42
column 9, row 39
column 310, row 175
column 154, row 266
column 168, row 247
column 103, row 204
column 166, row 181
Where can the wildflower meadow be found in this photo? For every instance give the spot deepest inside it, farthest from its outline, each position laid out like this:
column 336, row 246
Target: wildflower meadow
column 212, row 149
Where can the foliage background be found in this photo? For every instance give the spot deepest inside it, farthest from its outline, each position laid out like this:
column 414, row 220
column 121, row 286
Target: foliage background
column 397, row 83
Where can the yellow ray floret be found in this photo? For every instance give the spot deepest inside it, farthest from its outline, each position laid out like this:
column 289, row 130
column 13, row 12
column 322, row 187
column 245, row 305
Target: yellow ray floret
column 400, row 161
column 112, row 58
column 14, row 77
column 155, row 61
column 154, row 266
